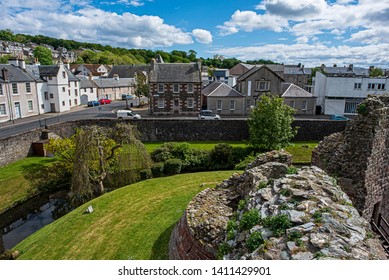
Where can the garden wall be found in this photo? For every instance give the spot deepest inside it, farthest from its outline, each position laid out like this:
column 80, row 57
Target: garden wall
column 19, row 146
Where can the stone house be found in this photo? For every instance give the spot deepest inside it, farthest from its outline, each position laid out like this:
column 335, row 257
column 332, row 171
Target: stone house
column 18, row 92
column 88, row 91
column 300, row 76
column 301, row 100
column 128, row 71
column 175, row 88
column 223, row 99
column 257, row 81
column 113, row 88
column 94, row 70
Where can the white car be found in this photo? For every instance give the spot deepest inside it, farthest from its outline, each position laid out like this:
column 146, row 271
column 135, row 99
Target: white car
column 208, row 115
column 127, row 114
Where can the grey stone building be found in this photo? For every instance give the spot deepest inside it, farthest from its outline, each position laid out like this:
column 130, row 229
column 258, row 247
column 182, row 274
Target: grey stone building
column 223, row 99
column 175, row 88
column 301, row 100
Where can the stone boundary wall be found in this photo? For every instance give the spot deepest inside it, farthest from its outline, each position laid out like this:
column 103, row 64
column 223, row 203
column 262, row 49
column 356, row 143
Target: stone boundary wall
column 183, row 246
column 160, row 130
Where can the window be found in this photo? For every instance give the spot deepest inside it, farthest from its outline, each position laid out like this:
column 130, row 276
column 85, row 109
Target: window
column 263, row 85
column 161, row 88
column 75, row 83
column 51, row 95
column 43, row 106
column 232, row 104
column 30, row 105
column 91, row 89
column 70, row 102
column 63, row 74
column 219, row 105
column 28, row 87
column 63, row 89
column 304, row 106
column 76, row 92
column 357, row 86
column 69, row 92
column 190, row 88
column 377, row 86
column 75, row 101
column 84, row 89
column 50, row 78
column 190, row 102
column 175, row 88
column 1, row 90
column 3, row 112
column 63, row 103
column 350, row 106
column 161, row 103
column 292, row 104
column 15, row 88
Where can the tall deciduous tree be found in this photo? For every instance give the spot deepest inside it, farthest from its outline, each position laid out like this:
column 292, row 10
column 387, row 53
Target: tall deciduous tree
column 44, row 55
column 141, row 85
column 270, row 124
column 376, row 72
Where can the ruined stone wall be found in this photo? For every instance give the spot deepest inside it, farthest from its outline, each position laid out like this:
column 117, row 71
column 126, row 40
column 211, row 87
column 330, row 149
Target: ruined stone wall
column 359, row 157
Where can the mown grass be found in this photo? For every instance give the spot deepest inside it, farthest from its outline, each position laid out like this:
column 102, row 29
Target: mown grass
column 14, row 187
column 204, row 145
column 134, row 222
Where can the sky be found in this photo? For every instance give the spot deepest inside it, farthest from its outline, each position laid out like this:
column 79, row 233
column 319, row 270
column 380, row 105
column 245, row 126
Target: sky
column 310, row 32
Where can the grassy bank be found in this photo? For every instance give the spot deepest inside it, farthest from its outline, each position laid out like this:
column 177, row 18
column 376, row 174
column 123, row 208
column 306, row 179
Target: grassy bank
column 14, row 187
column 133, row 222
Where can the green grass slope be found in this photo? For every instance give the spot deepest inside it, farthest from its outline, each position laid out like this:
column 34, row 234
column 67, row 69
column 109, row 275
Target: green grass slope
column 134, row 222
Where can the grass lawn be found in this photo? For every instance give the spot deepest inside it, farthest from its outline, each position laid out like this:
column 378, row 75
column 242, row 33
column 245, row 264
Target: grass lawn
column 301, row 151
column 14, row 187
column 134, row 222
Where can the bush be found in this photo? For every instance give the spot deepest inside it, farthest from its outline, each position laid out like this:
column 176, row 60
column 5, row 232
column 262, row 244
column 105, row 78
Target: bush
column 157, row 169
column 222, row 250
column 173, row 166
column 145, row 174
column 362, row 109
column 221, row 157
column 254, row 241
column 278, row 224
column 243, row 163
column 249, row 219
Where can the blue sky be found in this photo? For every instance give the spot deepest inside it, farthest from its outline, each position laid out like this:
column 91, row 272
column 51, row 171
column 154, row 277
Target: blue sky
column 310, row 32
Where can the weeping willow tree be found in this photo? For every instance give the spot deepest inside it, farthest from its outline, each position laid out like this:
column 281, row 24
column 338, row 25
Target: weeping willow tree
column 96, row 153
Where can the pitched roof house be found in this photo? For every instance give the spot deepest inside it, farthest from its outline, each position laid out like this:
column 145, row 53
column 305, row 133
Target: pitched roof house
column 301, row 100
column 175, row 88
column 223, row 99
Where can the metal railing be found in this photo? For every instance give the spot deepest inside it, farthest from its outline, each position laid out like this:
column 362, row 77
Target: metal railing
column 382, row 228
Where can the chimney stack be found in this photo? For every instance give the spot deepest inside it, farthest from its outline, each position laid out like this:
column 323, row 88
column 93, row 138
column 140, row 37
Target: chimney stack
column 152, row 64
column 22, row 64
column 14, row 61
column 4, row 74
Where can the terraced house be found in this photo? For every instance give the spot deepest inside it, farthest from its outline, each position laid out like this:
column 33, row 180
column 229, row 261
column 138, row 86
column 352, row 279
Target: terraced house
column 175, row 88
column 18, row 94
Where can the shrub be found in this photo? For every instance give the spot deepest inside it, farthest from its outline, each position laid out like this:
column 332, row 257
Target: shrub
column 242, row 204
column 157, row 169
column 221, row 157
column 254, row 241
column 291, row 170
column 231, row 227
column 223, row 249
column 145, row 174
column 240, row 153
column 173, row 166
column 243, row 163
column 362, row 109
column 249, row 219
column 277, row 224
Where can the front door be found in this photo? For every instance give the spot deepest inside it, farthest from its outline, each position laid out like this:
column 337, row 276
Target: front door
column 176, row 106
column 18, row 113
column 52, row 107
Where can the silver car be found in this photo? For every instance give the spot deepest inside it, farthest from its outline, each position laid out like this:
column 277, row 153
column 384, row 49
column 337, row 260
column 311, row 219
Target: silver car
column 208, row 115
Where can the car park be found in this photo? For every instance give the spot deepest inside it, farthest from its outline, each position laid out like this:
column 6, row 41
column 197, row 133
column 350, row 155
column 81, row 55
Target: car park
column 105, row 101
column 339, row 118
column 127, row 114
column 93, row 103
column 208, row 115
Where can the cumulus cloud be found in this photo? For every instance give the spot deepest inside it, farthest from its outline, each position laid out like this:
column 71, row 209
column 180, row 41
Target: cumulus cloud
column 202, row 36
column 313, row 55
column 89, row 24
column 134, row 3
column 295, row 8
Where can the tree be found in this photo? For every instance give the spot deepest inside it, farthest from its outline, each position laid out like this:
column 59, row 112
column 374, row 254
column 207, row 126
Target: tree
column 44, row 55
column 270, row 124
column 376, row 72
column 141, row 85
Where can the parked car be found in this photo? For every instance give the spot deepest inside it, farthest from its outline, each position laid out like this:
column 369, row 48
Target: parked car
column 127, row 96
column 105, row 101
column 93, row 103
column 208, row 115
column 339, row 118
column 127, row 114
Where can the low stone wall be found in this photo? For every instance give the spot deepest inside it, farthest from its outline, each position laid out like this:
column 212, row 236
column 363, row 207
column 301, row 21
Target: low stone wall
column 165, row 130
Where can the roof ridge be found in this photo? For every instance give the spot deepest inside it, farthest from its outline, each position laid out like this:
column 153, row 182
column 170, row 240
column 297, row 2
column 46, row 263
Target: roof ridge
column 220, row 84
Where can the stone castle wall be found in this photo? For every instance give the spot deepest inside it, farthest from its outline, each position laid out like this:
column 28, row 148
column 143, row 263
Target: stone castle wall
column 359, row 158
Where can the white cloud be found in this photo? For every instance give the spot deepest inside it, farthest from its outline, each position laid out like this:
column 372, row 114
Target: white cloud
column 378, row 34
column 295, row 8
column 89, row 24
column 302, row 40
column 202, row 36
column 134, row 3
column 313, row 55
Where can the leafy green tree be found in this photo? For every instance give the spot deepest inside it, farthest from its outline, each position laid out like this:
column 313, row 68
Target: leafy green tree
column 270, row 124
column 141, row 85
column 376, row 72
column 3, row 59
column 44, row 55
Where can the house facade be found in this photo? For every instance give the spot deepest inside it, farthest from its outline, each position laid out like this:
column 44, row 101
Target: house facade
column 18, row 92
column 113, row 88
column 90, row 70
column 256, row 82
column 223, row 99
column 175, row 88
column 88, row 91
column 339, row 90
column 299, row 99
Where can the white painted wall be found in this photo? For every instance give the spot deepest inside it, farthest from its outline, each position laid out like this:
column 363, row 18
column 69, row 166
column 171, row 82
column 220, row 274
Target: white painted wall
column 333, row 107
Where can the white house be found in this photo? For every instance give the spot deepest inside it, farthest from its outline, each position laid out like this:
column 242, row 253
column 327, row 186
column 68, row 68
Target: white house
column 340, row 89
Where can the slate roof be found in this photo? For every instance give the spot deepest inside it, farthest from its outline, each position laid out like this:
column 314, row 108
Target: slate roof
column 71, row 76
column 219, row 89
column 175, row 73
column 346, row 71
column 297, row 71
column 127, row 71
column 255, row 69
column 48, row 70
column 110, row 83
column 295, row 91
column 33, row 72
column 86, row 83
column 15, row 74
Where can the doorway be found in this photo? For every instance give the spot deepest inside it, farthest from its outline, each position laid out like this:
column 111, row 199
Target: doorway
column 52, row 107
column 176, row 106
column 18, row 113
